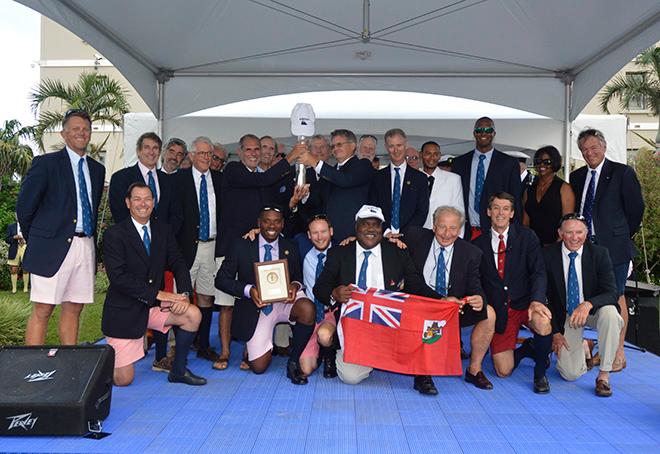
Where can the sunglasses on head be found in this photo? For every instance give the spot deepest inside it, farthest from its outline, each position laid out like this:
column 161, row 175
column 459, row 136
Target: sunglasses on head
column 573, row 217
column 545, row 162
column 489, row 130
column 412, row 158
column 271, row 208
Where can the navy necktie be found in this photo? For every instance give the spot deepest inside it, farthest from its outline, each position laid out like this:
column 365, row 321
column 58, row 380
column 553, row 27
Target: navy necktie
column 268, row 256
column 431, row 180
column 440, row 277
column 587, row 210
column 396, row 199
column 152, row 186
column 573, row 287
column 319, row 268
column 146, row 240
column 84, row 200
column 479, row 183
column 362, row 277
column 203, row 210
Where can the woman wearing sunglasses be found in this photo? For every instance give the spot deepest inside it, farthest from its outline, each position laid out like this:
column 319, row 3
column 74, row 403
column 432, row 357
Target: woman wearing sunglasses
column 548, row 198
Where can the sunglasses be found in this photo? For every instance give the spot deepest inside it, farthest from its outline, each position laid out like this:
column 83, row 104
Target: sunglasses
column 218, row 158
column 412, row 158
column 484, row 130
column 271, row 208
column 545, row 162
column 573, row 217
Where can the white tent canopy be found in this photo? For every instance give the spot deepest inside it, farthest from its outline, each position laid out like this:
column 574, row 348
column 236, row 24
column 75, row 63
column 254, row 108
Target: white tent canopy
column 186, row 56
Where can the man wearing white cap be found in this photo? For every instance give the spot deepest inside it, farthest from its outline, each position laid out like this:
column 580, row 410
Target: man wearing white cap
column 368, row 262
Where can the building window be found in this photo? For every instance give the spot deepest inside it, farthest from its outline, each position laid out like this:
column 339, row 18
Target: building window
column 637, row 102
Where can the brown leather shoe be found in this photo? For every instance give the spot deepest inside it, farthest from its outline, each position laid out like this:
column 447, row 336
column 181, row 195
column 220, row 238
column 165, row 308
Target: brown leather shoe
column 479, row 380
column 603, row 388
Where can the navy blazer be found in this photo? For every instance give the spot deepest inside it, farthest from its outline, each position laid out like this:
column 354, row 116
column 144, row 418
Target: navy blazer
column 348, row 190
column 524, row 273
column 12, row 230
column 244, row 193
column 503, row 175
column 598, row 286
column 135, row 277
column 47, row 209
column 167, row 210
column 188, row 233
column 399, row 273
column 237, row 271
column 618, row 208
column 414, row 197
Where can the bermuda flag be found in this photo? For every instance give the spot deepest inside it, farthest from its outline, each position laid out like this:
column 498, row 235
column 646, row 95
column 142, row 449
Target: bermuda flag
column 401, row 333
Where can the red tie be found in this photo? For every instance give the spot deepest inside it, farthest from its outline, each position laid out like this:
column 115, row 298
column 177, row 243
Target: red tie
column 501, row 256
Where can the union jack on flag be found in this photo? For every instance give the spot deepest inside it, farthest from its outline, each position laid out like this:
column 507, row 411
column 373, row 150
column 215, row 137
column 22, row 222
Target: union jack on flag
column 391, row 295
column 354, row 309
column 384, row 315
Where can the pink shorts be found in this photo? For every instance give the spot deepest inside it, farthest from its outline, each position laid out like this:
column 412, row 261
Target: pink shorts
column 312, row 348
column 74, row 281
column 262, row 340
column 128, row 351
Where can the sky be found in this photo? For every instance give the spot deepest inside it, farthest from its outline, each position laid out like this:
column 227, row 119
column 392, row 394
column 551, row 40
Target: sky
column 19, row 34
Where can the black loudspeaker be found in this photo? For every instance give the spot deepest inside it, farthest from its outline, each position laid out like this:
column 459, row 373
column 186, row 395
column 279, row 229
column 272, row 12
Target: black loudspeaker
column 644, row 326
column 58, row 390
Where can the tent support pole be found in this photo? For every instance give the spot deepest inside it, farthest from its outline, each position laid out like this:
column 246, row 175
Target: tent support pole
column 162, row 76
column 568, row 101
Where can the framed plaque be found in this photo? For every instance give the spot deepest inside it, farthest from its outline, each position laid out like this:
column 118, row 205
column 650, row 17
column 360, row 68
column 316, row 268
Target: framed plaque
column 272, row 280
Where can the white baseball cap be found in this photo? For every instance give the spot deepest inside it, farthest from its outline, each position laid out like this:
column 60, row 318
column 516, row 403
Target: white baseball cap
column 302, row 120
column 370, row 211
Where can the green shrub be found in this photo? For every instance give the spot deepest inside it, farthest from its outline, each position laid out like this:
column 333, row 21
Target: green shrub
column 647, row 166
column 14, row 313
column 102, row 283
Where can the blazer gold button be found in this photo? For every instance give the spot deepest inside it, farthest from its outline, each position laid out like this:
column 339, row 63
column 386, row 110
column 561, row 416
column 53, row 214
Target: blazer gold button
column 506, row 288
column 68, row 240
column 151, row 281
column 74, row 221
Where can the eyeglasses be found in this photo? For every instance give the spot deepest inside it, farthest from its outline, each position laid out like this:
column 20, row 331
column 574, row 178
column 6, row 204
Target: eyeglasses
column 205, row 154
column 280, row 155
column 318, row 217
column 272, row 208
column 339, row 144
column 573, row 217
column 591, row 132
column 545, row 162
column 484, row 130
column 76, row 113
column 219, row 159
column 412, row 158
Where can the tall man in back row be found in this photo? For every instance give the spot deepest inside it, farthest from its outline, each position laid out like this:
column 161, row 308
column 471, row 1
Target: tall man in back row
column 57, row 209
column 485, row 171
column 609, row 197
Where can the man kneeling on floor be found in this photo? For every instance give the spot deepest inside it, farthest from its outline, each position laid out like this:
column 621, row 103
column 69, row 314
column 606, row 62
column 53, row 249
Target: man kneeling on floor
column 136, row 252
column 253, row 320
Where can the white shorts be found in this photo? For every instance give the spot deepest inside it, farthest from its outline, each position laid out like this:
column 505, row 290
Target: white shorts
column 202, row 271
column 221, row 298
column 74, row 281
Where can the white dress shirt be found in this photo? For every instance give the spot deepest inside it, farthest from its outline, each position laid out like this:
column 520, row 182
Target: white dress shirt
column 144, row 170
column 475, row 218
column 139, row 229
column 375, row 278
column 566, row 261
column 74, row 158
column 587, row 182
column 432, row 260
column 495, row 242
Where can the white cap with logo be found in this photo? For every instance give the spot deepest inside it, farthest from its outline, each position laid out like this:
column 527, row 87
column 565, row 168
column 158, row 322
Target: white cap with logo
column 302, row 120
column 370, row 211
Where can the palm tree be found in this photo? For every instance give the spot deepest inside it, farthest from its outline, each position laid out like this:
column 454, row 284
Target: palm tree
column 102, row 97
column 630, row 87
column 15, row 157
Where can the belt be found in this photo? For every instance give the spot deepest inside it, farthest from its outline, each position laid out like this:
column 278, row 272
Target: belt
column 207, row 241
column 80, row 234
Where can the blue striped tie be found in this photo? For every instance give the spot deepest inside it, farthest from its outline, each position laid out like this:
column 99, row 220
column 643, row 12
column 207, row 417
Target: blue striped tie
column 84, row 200
column 268, row 256
column 440, row 278
column 479, row 183
column 319, row 269
column 362, row 277
column 146, row 240
column 203, row 210
column 396, row 199
column 573, row 289
column 587, row 210
column 152, row 186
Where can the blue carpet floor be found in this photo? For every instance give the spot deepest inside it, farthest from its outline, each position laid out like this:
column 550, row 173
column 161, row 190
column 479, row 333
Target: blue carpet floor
column 241, row 412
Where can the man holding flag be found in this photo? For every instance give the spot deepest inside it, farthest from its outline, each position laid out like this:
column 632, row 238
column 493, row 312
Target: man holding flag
column 376, row 264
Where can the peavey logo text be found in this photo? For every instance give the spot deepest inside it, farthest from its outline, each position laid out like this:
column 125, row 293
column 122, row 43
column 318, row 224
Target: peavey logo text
column 25, row 421
column 40, row 376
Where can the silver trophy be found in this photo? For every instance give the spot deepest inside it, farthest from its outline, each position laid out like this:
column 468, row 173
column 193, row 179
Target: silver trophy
column 302, row 126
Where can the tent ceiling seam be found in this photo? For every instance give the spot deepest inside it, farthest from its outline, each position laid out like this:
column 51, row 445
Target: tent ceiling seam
column 333, row 24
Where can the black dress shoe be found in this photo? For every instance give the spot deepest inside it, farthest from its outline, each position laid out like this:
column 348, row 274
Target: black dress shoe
column 479, row 380
column 330, row 365
column 541, row 385
column 188, row 378
column 281, row 351
column 208, row 354
column 294, row 373
column 424, row 384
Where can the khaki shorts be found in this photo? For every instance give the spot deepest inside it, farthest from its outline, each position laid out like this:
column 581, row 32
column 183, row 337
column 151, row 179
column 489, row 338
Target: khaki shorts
column 221, row 298
column 16, row 261
column 202, row 271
